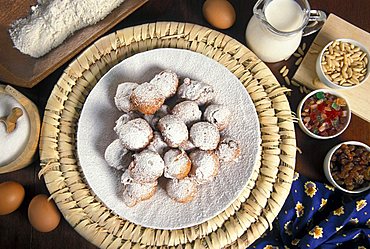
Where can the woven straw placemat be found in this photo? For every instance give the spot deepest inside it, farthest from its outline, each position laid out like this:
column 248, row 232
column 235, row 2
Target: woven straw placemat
column 241, row 223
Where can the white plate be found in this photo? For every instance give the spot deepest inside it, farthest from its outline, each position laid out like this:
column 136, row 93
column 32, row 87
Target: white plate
column 95, row 133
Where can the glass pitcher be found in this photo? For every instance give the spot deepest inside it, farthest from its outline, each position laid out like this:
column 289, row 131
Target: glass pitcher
column 277, row 26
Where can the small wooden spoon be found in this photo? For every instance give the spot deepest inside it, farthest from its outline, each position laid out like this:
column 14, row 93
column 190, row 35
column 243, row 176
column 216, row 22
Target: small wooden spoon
column 11, row 120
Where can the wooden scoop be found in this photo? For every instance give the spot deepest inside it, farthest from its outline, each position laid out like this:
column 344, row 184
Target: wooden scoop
column 11, row 120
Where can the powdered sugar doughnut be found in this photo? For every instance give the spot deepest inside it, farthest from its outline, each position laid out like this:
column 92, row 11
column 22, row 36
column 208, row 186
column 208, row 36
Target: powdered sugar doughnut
column 174, row 130
column 135, row 192
column 204, row 135
column 123, row 119
column 122, row 98
column 135, row 134
column 154, row 118
column 197, row 91
column 205, row 165
column 114, row 154
column 177, row 164
column 187, row 145
column 147, row 166
column 188, row 111
column 146, row 98
column 167, row 83
column 183, row 190
column 228, row 150
column 126, row 178
column 218, row 115
column 157, row 144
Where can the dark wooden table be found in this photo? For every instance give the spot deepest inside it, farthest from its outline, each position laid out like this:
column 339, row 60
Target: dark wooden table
column 15, row 230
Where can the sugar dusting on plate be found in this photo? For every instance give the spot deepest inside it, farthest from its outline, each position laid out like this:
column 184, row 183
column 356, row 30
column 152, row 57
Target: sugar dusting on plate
column 95, row 133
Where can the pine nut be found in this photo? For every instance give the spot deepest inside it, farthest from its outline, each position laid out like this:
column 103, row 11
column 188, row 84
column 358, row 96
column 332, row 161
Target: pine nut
column 282, row 69
column 294, row 83
column 331, row 50
column 287, row 80
column 285, row 73
column 350, row 72
column 298, row 61
column 300, row 51
column 314, row 51
column 344, row 63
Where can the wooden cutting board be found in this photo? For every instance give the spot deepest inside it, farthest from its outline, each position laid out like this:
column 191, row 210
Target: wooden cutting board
column 335, row 28
column 23, row 70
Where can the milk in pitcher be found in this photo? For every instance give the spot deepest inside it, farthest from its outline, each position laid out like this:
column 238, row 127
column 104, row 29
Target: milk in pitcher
column 283, row 15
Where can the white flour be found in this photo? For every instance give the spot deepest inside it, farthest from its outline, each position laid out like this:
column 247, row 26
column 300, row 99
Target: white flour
column 12, row 144
column 51, row 22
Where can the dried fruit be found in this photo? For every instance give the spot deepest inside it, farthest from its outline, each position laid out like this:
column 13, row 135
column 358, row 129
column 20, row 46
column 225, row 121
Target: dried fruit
column 324, row 114
column 349, row 166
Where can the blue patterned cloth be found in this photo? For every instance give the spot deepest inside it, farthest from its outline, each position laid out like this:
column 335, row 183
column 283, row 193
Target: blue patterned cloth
column 315, row 215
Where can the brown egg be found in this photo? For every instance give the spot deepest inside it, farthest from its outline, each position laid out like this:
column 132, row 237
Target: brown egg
column 219, row 13
column 11, row 197
column 43, row 214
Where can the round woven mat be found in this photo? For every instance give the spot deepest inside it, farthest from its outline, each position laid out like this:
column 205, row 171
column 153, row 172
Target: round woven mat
column 242, row 222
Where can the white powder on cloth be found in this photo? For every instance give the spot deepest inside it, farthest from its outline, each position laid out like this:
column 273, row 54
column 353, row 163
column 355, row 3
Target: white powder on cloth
column 51, row 22
column 95, row 133
column 12, row 144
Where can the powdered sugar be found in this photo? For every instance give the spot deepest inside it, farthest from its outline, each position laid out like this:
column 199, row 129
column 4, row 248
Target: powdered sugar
column 95, row 133
column 205, row 165
column 123, row 120
column 188, row 111
column 204, row 135
column 122, row 98
column 176, row 164
column 147, row 166
column 173, row 129
column 228, row 150
column 198, row 91
column 167, row 82
column 114, row 155
column 154, row 118
column 135, row 134
column 218, row 115
column 181, row 190
column 134, row 191
column 147, row 98
column 157, row 144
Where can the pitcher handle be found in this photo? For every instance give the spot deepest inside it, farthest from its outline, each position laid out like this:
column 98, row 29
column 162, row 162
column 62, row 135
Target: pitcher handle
column 315, row 22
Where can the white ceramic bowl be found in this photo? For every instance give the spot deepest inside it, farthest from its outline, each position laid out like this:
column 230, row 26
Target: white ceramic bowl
column 323, row 78
column 299, row 112
column 328, row 172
